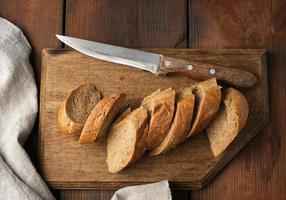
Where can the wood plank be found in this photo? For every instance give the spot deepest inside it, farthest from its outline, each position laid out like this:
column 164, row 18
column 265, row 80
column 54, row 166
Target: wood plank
column 191, row 165
column 137, row 23
column 107, row 194
column 39, row 20
column 274, row 168
column 229, row 24
column 258, row 172
column 86, row 194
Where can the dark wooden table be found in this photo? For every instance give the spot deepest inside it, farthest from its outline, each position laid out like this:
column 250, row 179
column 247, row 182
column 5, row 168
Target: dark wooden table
column 259, row 170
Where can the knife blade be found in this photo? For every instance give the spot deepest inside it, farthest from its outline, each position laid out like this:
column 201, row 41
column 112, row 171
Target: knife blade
column 159, row 64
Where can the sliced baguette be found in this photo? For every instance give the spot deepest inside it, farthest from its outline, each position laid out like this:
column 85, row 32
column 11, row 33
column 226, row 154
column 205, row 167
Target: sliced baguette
column 101, row 117
column 180, row 127
column 229, row 121
column 153, row 94
column 208, row 96
column 126, row 140
column 122, row 115
column 76, row 107
column 160, row 107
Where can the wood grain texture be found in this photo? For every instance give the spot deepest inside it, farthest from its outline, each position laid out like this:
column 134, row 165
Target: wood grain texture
column 86, row 194
column 140, row 23
column 192, row 164
column 202, row 71
column 39, row 20
column 274, row 139
column 229, row 24
column 107, row 194
column 258, row 171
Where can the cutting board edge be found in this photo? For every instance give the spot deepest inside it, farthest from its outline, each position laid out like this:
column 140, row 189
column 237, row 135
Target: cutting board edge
column 118, row 185
column 41, row 143
column 54, row 51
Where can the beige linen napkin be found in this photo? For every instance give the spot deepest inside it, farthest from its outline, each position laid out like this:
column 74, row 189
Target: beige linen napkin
column 153, row 191
column 18, row 111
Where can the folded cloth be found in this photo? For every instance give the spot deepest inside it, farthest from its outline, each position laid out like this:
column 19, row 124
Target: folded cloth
column 18, row 111
column 154, row 191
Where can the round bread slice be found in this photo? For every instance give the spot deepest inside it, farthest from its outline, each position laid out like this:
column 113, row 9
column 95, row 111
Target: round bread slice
column 229, row 121
column 160, row 107
column 126, row 140
column 76, row 107
column 101, row 117
column 207, row 97
column 180, row 127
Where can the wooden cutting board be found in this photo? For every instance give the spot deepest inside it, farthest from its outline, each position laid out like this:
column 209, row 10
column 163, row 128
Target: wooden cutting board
column 65, row 164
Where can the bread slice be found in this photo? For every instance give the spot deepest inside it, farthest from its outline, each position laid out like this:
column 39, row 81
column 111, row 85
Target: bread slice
column 208, row 96
column 160, row 107
column 153, row 94
column 76, row 107
column 229, row 121
column 126, row 140
column 122, row 115
column 101, row 117
column 180, row 127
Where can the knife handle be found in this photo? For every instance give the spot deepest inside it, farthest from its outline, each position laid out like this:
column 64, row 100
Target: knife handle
column 201, row 71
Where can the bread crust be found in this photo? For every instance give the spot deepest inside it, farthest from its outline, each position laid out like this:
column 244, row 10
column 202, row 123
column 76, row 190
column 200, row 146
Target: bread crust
column 160, row 107
column 140, row 146
column 66, row 125
column 234, row 107
column 122, row 116
column 207, row 106
column 138, row 120
column 181, row 123
column 101, row 117
column 239, row 103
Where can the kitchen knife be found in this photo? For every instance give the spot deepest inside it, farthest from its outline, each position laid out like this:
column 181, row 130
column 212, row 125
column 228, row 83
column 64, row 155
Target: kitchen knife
column 159, row 64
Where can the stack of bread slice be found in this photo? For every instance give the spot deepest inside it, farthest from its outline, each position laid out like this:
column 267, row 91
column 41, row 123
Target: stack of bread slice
column 165, row 119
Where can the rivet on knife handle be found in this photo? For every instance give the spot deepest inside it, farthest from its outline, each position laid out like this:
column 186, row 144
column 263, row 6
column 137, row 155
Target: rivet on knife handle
column 202, row 71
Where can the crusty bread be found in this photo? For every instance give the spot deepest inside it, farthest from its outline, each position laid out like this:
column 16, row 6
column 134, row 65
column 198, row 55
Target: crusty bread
column 153, row 94
column 207, row 97
column 101, row 117
column 122, row 115
column 180, row 127
column 160, row 107
column 76, row 107
column 230, row 119
column 126, row 140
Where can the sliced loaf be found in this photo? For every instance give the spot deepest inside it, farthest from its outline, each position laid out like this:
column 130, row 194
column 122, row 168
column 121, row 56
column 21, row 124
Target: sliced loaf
column 207, row 97
column 76, row 107
column 101, row 117
column 122, row 115
column 160, row 107
column 180, row 127
column 229, row 121
column 126, row 140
